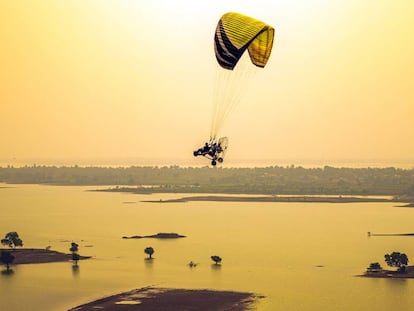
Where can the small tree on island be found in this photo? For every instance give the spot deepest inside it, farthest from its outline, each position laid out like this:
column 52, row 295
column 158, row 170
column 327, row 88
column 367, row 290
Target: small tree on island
column 149, row 251
column 374, row 267
column 6, row 258
column 397, row 259
column 216, row 259
column 74, row 250
column 12, row 240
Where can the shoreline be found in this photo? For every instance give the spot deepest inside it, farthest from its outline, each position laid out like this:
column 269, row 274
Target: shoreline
column 172, row 299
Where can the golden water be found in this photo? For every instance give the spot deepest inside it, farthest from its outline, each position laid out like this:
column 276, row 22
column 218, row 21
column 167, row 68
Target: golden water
column 300, row 256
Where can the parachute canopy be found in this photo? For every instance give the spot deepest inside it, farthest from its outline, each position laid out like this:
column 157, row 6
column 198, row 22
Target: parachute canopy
column 235, row 33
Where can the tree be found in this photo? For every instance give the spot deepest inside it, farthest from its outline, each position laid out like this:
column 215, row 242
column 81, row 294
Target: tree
column 397, row 259
column 74, row 249
column 149, row 251
column 6, row 258
column 12, row 240
column 216, row 259
column 374, row 267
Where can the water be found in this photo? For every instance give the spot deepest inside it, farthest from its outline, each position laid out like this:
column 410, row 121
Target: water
column 300, row 256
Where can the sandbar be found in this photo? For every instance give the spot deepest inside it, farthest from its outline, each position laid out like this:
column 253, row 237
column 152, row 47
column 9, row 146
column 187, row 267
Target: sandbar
column 158, row 299
column 296, row 199
column 38, row 255
column 161, row 235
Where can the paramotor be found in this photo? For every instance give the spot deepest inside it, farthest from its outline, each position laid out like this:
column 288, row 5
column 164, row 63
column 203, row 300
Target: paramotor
column 234, row 35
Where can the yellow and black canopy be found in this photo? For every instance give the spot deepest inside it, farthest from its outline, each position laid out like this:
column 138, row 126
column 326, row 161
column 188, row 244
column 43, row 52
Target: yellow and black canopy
column 236, row 33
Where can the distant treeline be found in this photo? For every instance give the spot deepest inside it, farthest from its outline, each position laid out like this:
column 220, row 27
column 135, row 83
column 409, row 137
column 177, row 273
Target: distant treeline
column 269, row 180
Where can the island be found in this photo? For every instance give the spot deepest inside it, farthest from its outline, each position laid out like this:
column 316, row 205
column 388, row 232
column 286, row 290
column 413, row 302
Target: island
column 38, row 255
column 161, row 235
column 384, row 273
column 153, row 298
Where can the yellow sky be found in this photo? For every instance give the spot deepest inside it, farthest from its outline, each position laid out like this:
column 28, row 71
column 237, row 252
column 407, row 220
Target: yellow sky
column 125, row 78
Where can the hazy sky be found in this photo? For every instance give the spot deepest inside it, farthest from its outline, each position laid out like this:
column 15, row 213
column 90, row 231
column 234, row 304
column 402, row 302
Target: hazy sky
column 125, row 78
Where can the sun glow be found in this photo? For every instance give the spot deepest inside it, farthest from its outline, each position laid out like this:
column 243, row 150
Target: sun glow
column 87, row 78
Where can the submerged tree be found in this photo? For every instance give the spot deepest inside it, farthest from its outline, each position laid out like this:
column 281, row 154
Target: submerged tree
column 216, row 259
column 149, row 251
column 6, row 258
column 12, row 240
column 75, row 258
column 397, row 259
column 74, row 249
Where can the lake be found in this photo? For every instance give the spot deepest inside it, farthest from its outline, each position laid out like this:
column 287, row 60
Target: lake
column 301, row 256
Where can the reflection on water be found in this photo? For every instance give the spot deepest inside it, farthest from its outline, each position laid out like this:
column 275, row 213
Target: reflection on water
column 300, row 256
column 149, row 262
column 75, row 270
column 7, row 272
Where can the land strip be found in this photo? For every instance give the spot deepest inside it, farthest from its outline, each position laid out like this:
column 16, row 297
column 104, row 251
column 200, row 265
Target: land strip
column 37, row 255
column 155, row 299
column 383, row 273
column 299, row 199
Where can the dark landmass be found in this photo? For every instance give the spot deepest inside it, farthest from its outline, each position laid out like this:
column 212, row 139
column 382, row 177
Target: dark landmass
column 156, row 299
column 310, row 199
column 38, row 255
column 390, row 234
column 156, row 236
column 289, row 180
column 408, row 274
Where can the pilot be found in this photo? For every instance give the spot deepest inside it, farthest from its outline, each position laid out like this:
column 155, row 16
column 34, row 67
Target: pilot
column 213, row 149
